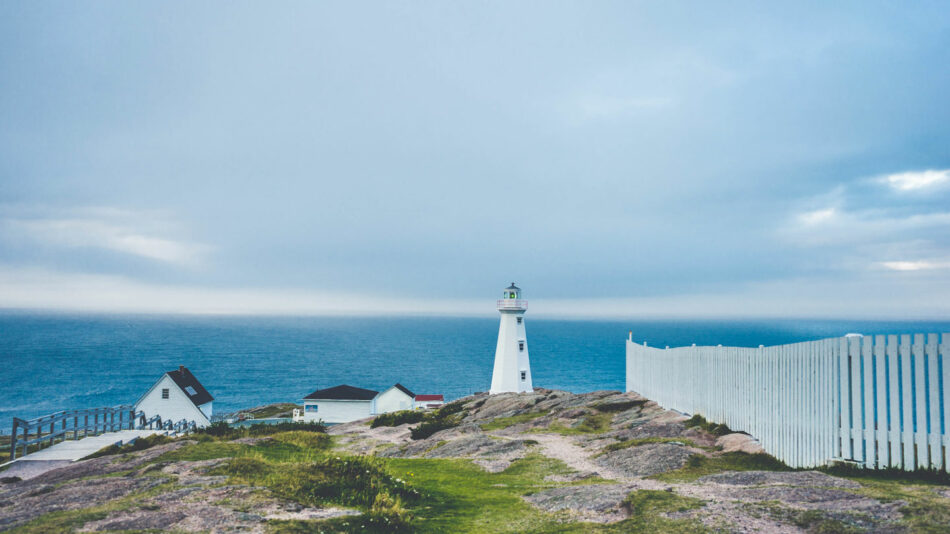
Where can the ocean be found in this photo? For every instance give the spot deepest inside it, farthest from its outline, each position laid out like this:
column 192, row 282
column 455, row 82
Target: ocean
column 53, row 362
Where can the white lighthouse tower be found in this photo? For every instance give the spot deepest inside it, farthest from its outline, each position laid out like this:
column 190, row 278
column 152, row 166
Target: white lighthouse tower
column 512, row 372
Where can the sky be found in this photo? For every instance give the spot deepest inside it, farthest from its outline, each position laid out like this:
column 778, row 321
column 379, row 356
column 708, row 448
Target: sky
column 615, row 159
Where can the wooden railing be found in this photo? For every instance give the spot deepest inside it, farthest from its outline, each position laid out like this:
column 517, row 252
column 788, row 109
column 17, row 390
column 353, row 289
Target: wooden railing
column 45, row 431
column 35, row 434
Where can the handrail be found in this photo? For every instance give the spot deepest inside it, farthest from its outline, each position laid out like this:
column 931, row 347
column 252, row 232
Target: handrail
column 90, row 421
column 68, row 424
column 512, row 304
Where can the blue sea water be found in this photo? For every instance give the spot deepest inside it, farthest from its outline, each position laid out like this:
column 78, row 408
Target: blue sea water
column 51, row 362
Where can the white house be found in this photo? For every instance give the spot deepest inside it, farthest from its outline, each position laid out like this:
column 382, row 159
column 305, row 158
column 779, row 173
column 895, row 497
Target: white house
column 343, row 403
column 339, row 404
column 428, row 402
column 175, row 396
column 394, row 399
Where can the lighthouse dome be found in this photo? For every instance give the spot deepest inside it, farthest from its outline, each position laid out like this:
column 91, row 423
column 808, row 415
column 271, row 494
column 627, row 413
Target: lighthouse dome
column 512, row 292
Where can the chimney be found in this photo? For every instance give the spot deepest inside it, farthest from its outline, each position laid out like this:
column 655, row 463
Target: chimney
column 181, row 369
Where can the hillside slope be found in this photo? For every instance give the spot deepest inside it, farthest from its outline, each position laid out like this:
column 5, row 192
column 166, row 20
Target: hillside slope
column 550, row 461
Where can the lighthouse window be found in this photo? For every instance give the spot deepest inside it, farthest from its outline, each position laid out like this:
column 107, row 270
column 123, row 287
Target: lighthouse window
column 165, row 393
column 524, row 375
column 521, row 345
column 519, row 319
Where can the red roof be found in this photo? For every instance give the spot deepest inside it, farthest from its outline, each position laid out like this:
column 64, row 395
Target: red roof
column 430, row 398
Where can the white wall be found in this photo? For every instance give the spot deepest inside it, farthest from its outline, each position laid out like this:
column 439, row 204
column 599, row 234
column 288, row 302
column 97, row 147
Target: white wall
column 391, row 400
column 207, row 409
column 176, row 407
column 510, row 361
column 337, row 411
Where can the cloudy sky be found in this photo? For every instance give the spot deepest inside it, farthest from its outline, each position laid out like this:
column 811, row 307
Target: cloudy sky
column 630, row 159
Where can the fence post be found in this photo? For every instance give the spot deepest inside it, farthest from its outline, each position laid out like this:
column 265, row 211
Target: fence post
column 13, row 440
column 920, row 401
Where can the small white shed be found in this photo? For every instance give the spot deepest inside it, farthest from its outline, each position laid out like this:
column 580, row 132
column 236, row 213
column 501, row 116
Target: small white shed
column 339, row 404
column 175, row 396
column 396, row 398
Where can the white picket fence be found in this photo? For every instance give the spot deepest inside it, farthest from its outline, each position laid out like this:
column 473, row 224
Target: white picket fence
column 881, row 401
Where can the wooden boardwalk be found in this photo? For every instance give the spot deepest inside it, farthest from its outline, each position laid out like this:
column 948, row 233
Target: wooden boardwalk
column 66, row 452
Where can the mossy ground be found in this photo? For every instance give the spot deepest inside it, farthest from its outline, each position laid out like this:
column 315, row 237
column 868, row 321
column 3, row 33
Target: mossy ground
column 589, row 424
column 626, row 444
column 699, row 465
column 504, row 422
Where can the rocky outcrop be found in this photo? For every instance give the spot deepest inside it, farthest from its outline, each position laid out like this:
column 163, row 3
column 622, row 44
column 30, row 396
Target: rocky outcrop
column 601, row 503
column 646, row 460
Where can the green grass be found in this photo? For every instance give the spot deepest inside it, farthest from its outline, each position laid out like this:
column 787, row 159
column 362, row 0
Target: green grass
column 926, row 512
column 626, row 444
column 812, row 521
column 699, row 466
column 590, row 424
column 206, row 450
column 504, row 422
column 62, row 522
column 646, row 508
column 139, row 444
column 460, row 497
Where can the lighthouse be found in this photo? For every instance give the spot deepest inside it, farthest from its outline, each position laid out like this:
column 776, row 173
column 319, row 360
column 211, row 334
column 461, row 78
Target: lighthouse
column 512, row 372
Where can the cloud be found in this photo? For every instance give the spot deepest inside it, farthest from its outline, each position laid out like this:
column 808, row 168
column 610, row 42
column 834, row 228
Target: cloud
column 811, row 218
column 799, row 297
column 133, row 233
column 915, row 180
column 26, row 288
column 920, row 265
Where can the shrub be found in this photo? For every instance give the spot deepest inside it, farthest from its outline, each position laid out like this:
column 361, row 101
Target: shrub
column 304, row 439
column 452, row 408
column 713, row 428
column 619, row 406
column 397, row 418
column 433, row 424
column 349, row 481
column 388, row 514
column 247, row 468
column 222, row 430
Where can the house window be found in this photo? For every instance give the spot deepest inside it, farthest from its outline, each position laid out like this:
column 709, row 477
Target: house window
column 311, row 408
column 519, row 319
column 190, row 391
column 164, row 393
column 521, row 346
column 524, row 375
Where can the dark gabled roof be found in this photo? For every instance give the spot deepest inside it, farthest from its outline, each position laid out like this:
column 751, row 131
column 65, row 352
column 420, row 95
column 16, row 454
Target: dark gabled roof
column 403, row 388
column 184, row 379
column 343, row 392
column 513, row 286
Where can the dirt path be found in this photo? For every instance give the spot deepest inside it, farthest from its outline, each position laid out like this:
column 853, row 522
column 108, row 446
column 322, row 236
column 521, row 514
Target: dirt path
column 576, row 457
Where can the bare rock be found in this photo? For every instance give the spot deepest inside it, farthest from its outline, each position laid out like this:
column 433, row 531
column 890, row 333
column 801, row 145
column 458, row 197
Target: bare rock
column 773, row 478
column 739, row 443
column 596, row 502
column 477, row 445
column 45, row 498
column 646, row 460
